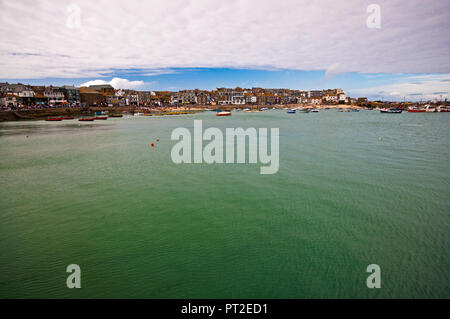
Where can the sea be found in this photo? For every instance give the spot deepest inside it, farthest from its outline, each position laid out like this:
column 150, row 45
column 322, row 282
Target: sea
column 353, row 189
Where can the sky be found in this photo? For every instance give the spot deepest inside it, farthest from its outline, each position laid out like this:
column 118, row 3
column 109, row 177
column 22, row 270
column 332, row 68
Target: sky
column 390, row 49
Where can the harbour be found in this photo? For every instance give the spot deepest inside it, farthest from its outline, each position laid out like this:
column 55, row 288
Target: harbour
column 352, row 189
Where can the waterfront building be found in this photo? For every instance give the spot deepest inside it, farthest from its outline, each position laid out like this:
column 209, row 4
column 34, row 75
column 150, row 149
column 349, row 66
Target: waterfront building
column 72, row 95
column 330, row 98
column 203, row 98
column 238, row 98
column 315, row 101
column 315, row 94
column 361, row 101
column 103, row 88
column 8, row 101
column 90, row 97
column 55, row 96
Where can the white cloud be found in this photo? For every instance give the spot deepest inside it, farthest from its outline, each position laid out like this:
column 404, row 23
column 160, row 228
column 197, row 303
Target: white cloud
column 333, row 70
column 416, row 87
column 38, row 42
column 94, row 82
column 118, row 83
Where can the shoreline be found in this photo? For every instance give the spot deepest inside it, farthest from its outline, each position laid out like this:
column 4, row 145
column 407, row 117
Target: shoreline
column 39, row 114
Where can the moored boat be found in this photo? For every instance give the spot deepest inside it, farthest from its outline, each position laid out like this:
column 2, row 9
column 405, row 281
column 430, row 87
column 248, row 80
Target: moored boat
column 223, row 113
column 291, row 111
column 116, row 115
column 393, row 111
column 421, row 109
column 416, row 110
column 91, row 119
column 100, row 118
column 54, row 119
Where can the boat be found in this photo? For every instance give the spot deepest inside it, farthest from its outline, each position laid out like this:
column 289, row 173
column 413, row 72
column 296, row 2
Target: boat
column 138, row 114
column 53, row 119
column 223, row 113
column 416, row 110
column 393, row 111
column 304, row 110
column 315, row 110
column 67, row 118
column 291, row 111
column 116, row 115
column 422, row 109
column 100, row 118
column 86, row 120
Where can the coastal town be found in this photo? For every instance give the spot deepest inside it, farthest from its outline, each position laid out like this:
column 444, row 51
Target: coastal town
column 17, row 96
column 20, row 98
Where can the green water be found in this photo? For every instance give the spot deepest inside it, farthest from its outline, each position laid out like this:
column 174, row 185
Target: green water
column 353, row 189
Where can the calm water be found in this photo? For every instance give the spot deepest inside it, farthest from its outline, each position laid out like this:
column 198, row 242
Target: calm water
column 353, row 189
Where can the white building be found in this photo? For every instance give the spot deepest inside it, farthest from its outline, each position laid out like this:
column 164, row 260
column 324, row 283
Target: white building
column 315, row 101
column 9, row 100
column 330, row 98
column 238, row 99
column 342, row 97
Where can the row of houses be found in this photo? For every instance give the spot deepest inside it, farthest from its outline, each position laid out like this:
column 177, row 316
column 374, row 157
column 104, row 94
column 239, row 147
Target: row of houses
column 260, row 96
column 17, row 95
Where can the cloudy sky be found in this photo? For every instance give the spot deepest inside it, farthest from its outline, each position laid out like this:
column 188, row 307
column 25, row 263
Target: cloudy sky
column 169, row 45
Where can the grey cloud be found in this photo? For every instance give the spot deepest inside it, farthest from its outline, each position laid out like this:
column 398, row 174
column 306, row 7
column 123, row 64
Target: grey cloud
column 160, row 34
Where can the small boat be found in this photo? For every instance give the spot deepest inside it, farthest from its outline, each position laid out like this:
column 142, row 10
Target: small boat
column 100, row 118
column 315, row 111
column 392, row 111
column 291, row 112
column 304, row 110
column 67, row 118
column 223, row 113
column 53, row 119
column 139, row 114
column 116, row 115
column 422, row 109
column 87, row 120
column 416, row 110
